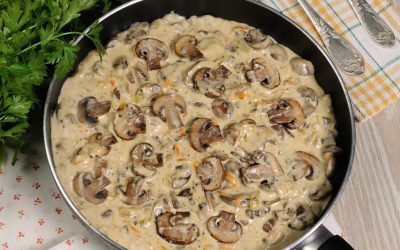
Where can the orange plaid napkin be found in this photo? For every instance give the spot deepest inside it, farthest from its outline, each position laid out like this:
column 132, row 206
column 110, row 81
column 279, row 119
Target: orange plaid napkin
column 380, row 84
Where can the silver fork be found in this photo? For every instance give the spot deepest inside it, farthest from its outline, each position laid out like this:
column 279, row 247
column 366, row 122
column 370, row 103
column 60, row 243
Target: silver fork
column 375, row 26
column 343, row 53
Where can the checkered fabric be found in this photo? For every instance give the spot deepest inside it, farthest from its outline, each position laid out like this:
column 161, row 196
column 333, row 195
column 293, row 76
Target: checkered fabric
column 380, row 84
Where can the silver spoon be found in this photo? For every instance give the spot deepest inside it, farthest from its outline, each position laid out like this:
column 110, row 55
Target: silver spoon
column 343, row 53
column 375, row 26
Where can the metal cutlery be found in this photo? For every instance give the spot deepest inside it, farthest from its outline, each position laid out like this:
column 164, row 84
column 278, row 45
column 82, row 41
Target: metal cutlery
column 343, row 53
column 375, row 26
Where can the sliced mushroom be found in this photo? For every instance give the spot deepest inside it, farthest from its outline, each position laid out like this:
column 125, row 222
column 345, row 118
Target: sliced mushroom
column 169, row 107
column 211, row 82
column 234, row 132
column 222, row 108
column 257, row 40
column 302, row 66
column 153, row 51
column 310, row 98
column 89, row 109
column 137, row 30
column 120, row 64
column 129, row 121
column 144, row 160
column 313, row 165
column 99, row 168
column 186, row 47
column 264, row 72
column 242, row 155
column 303, row 218
column 224, row 228
column 269, row 225
column 323, row 191
column 287, row 112
column 138, row 74
column 264, row 166
column 203, row 133
column 133, row 194
column 256, row 213
column 92, row 190
column 210, row 173
column 176, row 229
column 181, row 176
column 238, row 200
column 278, row 53
column 147, row 91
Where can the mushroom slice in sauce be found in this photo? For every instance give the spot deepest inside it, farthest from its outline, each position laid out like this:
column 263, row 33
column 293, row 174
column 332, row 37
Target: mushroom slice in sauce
column 265, row 167
column 301, row 66
column 169, row 108
column 238, row 200
column 235, row 131
column 222, row 108
column 129, row 121
column 211, row 82
column 210, row 173
column 186, row 47
column 144, row 160
column 287, row 112
column 313, row 165
column 278, row 53
column 138, row 74
column 323, row 191
column 89, row 109
column 257, row 40
column 224, row 228
column 303, row 218
column 153, row 51
column 203, row 133
column 92, row 190
column 310, row 98
column 176, row 229
column 264, row 72
column 134, row 195
column 181, row 176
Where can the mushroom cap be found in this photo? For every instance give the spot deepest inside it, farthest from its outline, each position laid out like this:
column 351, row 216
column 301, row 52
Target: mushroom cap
column 301, row 66
column 310, row 99
column 264, row 166
column 211, row 82
column 92, row 190
column 234, row 131
column 143, row 153
column 210, row 173
column 257, row 40
column 303, row 218
column 265, row 72
column 203, row 133
column 89, row 109
column 222, row 108
column 175, row 228
column 169, row 107
column 186, row 47
column 313, row 165
column 278, row 53
column 134, row 195
column 287, row 112
column 129, row 121
column 152, row 50
column 181, row 176
column 224, row 228
column 323, row 191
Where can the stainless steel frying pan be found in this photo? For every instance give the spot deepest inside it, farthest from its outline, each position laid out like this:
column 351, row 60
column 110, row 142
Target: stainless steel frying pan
column 270, row 22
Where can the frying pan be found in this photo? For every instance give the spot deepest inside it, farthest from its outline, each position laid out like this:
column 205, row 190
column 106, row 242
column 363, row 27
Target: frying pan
column 270, row 22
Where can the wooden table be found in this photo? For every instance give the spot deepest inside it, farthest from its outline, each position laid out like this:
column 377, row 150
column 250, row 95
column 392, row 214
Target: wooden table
column 369, row 209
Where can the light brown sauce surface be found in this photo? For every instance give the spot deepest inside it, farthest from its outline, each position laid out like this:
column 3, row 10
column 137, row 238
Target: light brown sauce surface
column 282, row 198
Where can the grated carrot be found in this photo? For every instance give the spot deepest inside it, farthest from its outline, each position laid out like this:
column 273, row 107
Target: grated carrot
column 112, row 81
column 241, row 95
column 182, row 131
column 176, row 149
column 231, row 179
column 168, row 83
column 135, row 230
column 241, row 27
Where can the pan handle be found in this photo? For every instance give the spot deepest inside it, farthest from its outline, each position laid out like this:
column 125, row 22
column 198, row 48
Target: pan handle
column 323, row 239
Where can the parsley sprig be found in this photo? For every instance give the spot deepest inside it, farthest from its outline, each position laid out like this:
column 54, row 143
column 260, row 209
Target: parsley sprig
column 34, row 40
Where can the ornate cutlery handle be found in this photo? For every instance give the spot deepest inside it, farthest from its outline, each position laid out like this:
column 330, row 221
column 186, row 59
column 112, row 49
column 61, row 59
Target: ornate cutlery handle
column 343, row 53
column 375, row 26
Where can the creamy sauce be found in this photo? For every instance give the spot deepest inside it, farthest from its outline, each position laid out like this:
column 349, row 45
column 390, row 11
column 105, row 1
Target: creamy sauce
column 271, row 211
